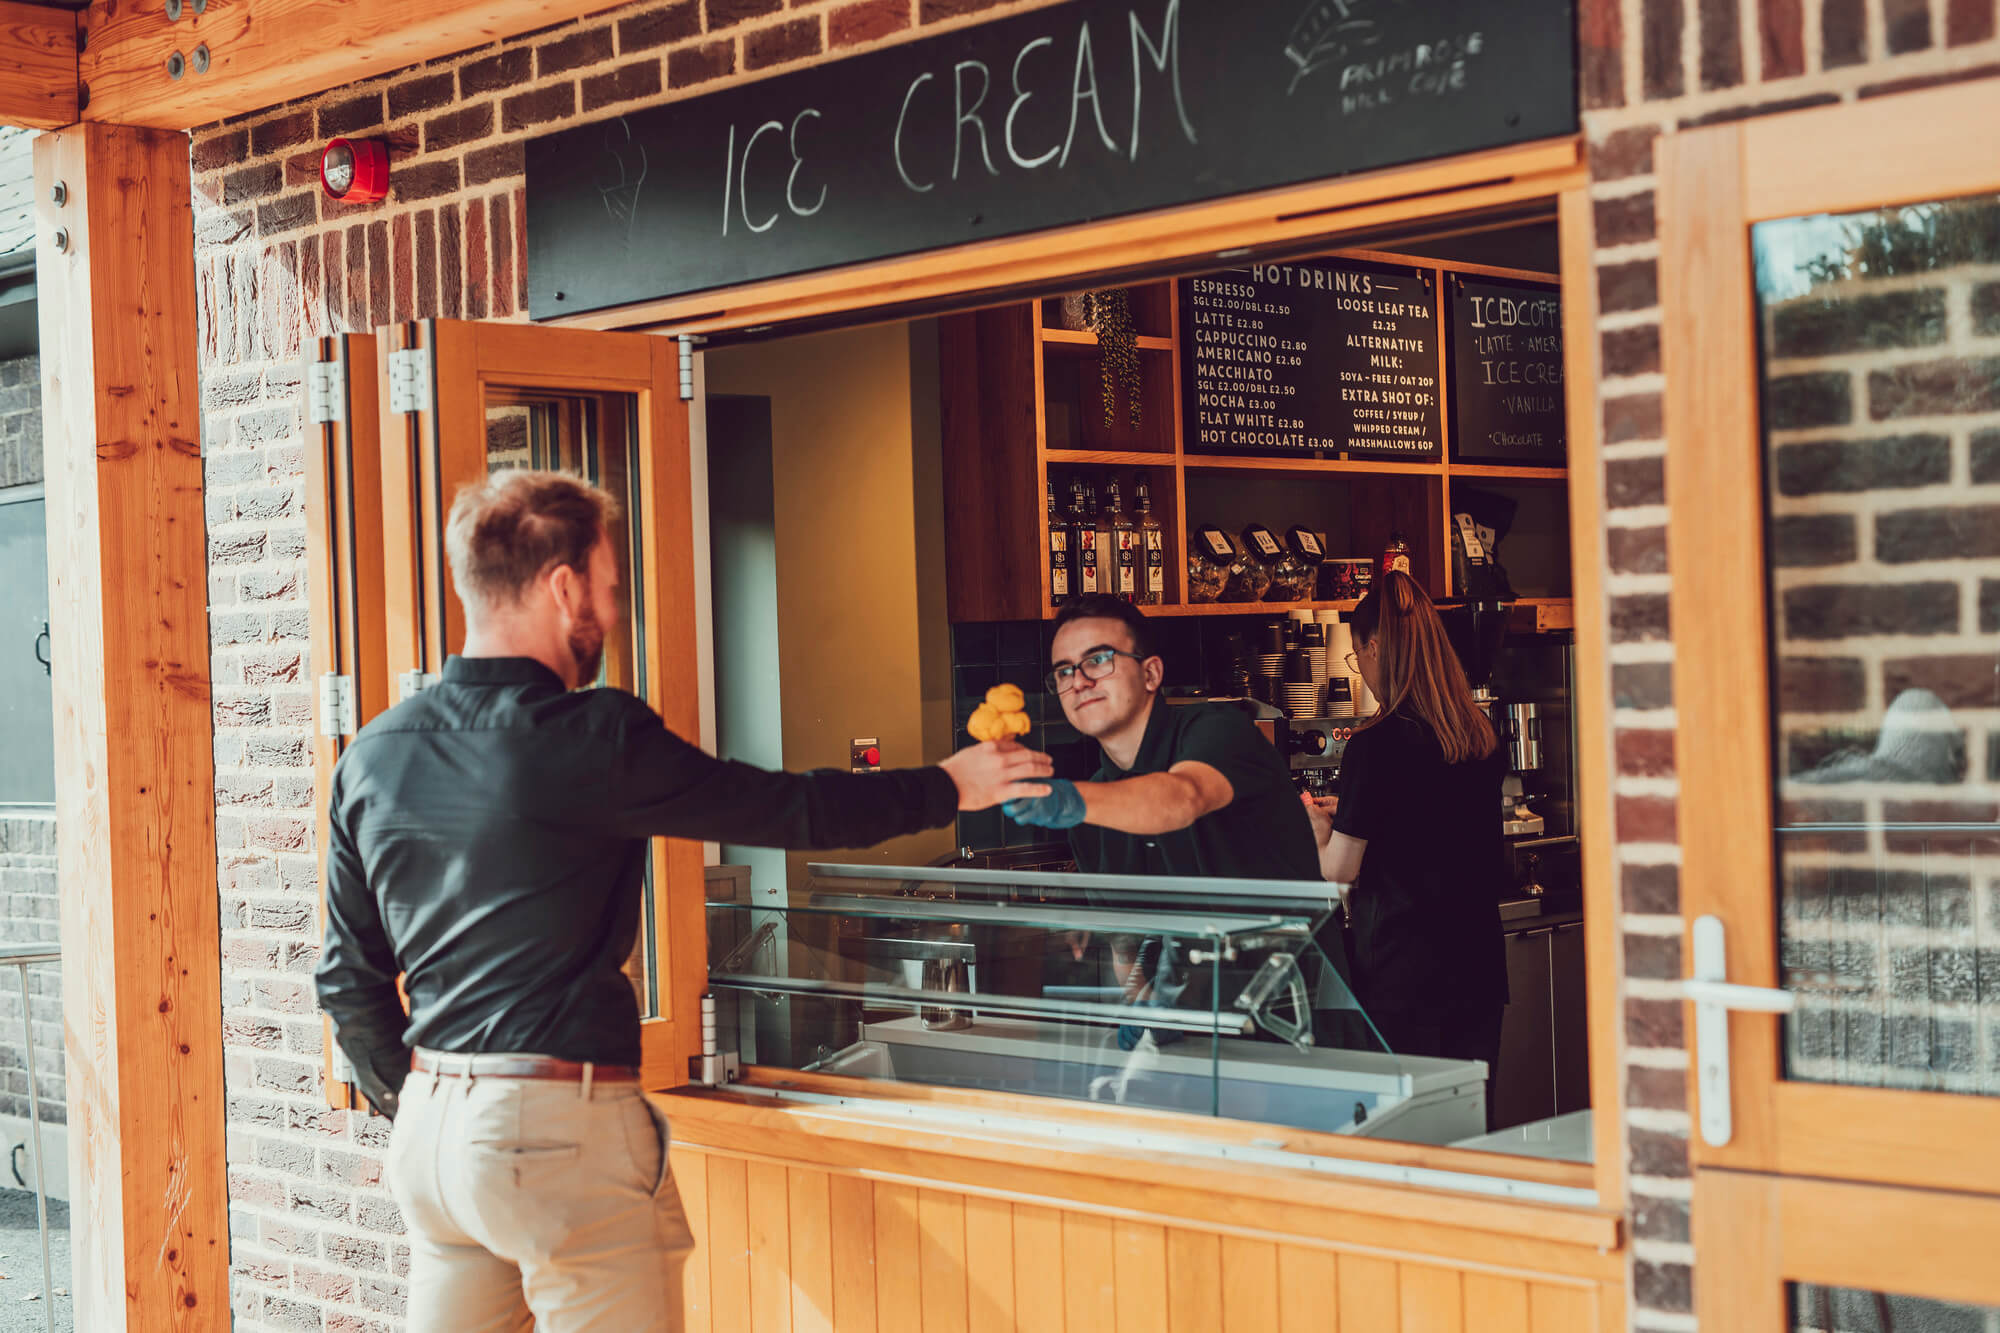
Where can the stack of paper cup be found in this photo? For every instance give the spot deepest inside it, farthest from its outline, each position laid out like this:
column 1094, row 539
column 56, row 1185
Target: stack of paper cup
column 1339, row 643
column 1336, row 665
column 1300, row 695
column 1313, row 639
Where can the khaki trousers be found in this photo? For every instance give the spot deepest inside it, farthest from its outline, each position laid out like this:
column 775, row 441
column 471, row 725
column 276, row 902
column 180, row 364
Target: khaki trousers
column 532, row 1207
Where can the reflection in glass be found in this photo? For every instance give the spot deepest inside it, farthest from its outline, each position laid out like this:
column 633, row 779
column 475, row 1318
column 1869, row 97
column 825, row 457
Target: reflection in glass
column 27, row 703
column 1817, row 1309
column 594, row 436
column 1880, row 396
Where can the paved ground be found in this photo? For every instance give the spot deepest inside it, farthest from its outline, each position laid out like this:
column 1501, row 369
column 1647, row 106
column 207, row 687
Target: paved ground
column 21, row 1295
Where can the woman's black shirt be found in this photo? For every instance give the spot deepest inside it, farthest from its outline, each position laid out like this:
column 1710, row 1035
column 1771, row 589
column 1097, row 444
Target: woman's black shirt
column 1427, row 904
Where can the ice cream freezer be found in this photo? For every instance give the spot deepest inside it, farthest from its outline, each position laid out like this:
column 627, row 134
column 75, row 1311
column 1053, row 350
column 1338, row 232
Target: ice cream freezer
column 1411, row 1098
column 1222, row 998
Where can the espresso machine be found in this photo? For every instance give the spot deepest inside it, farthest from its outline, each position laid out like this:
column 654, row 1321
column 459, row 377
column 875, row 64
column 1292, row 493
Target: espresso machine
column 1526, row 685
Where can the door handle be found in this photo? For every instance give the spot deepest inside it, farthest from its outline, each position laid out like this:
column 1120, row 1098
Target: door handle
column 1714, row 996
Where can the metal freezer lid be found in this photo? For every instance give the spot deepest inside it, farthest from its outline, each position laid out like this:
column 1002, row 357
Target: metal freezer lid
column 1380, row 1073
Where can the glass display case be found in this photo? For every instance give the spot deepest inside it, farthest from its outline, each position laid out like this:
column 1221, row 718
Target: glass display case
column 1215, row 997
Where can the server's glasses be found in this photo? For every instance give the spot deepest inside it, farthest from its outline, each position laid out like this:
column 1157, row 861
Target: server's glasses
column 1093, row 665
column 1353, row 663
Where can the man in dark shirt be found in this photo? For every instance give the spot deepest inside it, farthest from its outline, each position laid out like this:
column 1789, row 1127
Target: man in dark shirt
column 1187, row 790
column 488, row 845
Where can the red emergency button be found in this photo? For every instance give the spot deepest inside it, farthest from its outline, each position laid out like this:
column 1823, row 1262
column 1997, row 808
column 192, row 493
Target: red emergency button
column 872, row 756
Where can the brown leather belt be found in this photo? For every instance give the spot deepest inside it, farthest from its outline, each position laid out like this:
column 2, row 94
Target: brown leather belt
column 517, row 1066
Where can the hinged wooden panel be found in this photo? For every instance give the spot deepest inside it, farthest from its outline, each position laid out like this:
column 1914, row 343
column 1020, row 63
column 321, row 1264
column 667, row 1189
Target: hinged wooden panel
column 1717, row 184
column 441, row 445
column 344, row 578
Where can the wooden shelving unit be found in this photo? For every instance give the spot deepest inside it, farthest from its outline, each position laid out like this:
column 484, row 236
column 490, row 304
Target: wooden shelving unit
column 1079, row 338
column 1021, row 406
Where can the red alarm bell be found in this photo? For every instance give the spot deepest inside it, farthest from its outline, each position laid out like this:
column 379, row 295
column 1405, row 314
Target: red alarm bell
column 355, row 171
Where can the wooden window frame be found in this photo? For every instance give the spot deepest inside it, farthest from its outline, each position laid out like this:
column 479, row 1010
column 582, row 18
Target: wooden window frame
column 1715, row 184
column 1757, row 1233
column 1322, row 216
column 426, row 452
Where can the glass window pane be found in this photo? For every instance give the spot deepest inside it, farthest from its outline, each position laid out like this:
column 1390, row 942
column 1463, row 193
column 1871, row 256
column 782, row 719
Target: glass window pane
column 1817, row 1309
column 1880, row 341
column 594, row 436
column 1215, row 1003
column 27, row 715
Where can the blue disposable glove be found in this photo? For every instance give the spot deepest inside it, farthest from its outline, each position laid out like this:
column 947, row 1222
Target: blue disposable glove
column 1061, row 808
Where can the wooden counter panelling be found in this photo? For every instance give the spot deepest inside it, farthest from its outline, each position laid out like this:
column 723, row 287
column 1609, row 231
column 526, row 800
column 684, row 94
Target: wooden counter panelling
column 808, row 1222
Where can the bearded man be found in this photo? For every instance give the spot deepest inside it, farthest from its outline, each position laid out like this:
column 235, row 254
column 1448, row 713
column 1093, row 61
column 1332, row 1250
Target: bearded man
column 488, row 846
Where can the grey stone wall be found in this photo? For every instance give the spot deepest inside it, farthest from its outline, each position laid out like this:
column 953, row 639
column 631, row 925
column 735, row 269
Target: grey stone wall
column 20, row 421
column 28, row 911
column 27, row 843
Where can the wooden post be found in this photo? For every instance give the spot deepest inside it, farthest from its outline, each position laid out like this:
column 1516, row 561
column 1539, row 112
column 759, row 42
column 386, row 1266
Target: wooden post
column 135, row 780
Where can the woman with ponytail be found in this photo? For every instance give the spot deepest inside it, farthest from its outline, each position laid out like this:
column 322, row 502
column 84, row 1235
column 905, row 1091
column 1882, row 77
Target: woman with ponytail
column 1416, row 832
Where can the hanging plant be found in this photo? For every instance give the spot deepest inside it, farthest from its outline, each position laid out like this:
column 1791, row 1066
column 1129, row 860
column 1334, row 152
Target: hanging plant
column 1109, row 314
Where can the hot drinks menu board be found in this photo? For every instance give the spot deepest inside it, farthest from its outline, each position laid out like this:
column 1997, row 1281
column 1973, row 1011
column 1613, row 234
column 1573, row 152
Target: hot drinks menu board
column 1507, row 372
column 1320, row 359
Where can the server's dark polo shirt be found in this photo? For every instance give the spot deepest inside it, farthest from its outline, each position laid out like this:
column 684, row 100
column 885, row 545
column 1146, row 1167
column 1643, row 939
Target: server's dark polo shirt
column 1262, row 834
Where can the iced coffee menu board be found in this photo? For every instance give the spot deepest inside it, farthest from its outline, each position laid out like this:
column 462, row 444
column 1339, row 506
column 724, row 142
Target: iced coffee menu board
column 1320, row 359
column 1507, row 372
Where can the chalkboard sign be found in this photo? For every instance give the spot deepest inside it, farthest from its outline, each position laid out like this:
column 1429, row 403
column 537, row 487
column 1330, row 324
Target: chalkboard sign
column 1507, row 373
column 1059, row 116
column 1321, row 359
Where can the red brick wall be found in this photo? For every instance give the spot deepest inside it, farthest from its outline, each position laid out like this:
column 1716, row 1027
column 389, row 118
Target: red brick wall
column 316, row 1242
column 1652, row 68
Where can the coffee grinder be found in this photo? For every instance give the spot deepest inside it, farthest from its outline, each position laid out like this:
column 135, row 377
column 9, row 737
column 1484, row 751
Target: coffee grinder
column 1478, row 633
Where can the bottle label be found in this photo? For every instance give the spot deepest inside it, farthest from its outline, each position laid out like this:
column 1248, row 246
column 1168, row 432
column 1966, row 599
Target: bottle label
column 1086, row 541
column 1265, row 541
column 1128, row 565
column 1058, row 564
column 1395, row 564
column 1219, row 544
column 1156, row 564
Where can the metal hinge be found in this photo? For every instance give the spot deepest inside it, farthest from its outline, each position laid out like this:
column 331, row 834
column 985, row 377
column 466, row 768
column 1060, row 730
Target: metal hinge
column 688, row 341
column 1714, row 996
column 412, row 683
column 343, row 1068
column 410, row 380
column 326, row 393
column 336, row 705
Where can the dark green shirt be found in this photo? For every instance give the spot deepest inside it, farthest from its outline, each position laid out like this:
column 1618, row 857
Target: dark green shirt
column 1262, row 834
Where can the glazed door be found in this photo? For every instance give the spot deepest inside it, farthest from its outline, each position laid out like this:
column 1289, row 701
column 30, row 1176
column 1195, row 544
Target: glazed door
column 461, row 400
column 349, row 661
column 1832, row 340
